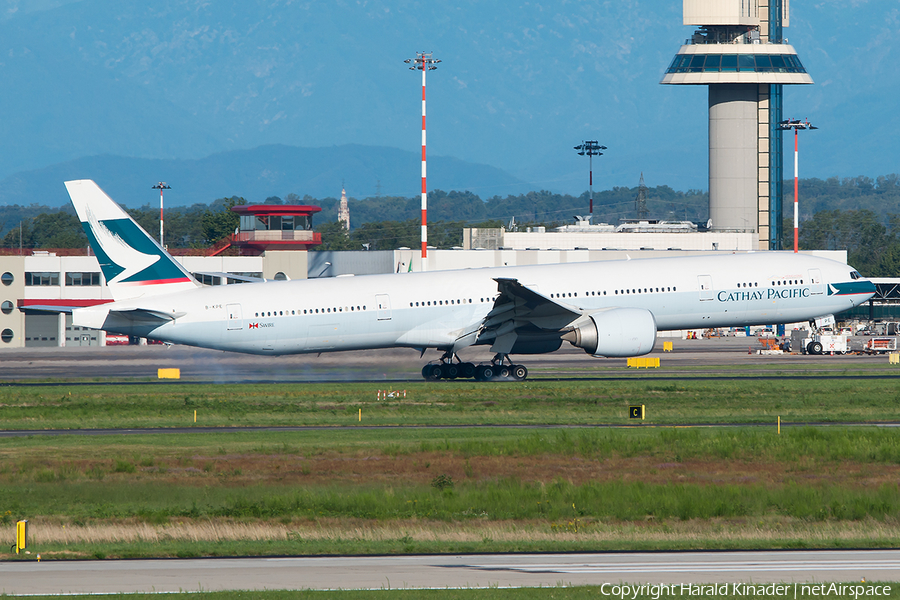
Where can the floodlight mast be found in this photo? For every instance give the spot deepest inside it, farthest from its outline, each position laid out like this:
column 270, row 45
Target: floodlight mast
column 796, row 125
column 162, row 185
column 423, row 62
column 592, row 149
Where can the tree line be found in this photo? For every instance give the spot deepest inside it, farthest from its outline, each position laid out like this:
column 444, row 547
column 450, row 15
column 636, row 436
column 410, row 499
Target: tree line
column 197, row 226
column 852, row 214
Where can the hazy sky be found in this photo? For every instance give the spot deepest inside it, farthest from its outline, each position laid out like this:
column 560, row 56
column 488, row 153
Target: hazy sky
column 520, row 84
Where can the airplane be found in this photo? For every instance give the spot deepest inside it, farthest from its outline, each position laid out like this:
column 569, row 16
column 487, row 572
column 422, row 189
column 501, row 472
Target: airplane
column 608, row 308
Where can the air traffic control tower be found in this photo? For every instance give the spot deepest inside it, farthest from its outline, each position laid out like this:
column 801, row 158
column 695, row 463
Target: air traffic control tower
column 739, row 52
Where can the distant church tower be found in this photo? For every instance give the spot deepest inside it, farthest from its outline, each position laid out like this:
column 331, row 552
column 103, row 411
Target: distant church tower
column 344, row 211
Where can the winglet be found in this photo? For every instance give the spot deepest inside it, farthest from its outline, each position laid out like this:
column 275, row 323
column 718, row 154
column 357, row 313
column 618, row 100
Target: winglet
column 133, row 263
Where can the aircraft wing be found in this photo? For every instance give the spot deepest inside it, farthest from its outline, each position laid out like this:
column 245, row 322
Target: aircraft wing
column 520, row 310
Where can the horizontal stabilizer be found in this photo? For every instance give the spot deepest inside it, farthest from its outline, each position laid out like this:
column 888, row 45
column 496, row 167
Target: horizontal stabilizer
column 37, row 309
column 143, row 315
column 232, row 276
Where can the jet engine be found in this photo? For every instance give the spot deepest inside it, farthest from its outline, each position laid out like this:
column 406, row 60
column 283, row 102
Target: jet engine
column 617, row 332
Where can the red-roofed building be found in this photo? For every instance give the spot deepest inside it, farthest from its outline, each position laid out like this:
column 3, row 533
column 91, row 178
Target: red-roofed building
column 272, row 227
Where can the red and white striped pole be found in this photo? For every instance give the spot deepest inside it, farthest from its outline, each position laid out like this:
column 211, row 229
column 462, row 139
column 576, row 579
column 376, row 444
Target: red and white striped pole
column 796, row 192
column 162, row 185
column 424, row 186
column 424, row 62
column 796, row 125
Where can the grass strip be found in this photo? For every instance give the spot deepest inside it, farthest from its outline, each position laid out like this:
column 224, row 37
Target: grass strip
column 163, row 495
column 323, row 536
column 212, row 457
column 507, row 499
column 450, row 402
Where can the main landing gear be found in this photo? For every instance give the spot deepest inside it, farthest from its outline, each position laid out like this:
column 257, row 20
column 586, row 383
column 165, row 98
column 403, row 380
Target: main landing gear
column 494, row 371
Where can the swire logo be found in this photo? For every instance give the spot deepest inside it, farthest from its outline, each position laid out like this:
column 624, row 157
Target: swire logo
column 254, row 325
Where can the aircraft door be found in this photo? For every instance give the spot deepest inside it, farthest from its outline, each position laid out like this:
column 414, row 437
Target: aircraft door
column 815, row 282
column 706, row 289
column 383, row 304
column 235, row 319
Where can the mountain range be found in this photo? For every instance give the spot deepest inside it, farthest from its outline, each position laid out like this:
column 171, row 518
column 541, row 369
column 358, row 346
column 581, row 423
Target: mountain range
column 256, row 174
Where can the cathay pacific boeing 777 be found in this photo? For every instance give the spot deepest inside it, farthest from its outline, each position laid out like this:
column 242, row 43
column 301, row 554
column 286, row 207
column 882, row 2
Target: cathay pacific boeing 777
column 609, row 308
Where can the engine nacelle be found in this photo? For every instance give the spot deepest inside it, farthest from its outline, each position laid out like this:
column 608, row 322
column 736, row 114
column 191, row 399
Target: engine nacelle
column 617, row 332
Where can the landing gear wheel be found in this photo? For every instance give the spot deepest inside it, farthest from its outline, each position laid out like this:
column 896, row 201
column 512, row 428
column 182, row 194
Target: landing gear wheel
column 519, row 372
column 449, row 371
column 484, row 372
column 432, row 372
column 502, row 372
column 466, row 370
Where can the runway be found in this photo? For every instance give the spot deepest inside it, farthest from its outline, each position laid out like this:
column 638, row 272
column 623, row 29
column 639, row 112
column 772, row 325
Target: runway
column 468, row 571
column 730, row 356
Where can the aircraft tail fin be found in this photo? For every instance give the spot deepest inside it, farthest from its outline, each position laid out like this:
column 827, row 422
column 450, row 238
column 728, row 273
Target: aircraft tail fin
column 133, row 263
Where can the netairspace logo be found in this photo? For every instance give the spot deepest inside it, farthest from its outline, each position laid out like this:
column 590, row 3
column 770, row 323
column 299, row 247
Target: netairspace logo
column 692, row 590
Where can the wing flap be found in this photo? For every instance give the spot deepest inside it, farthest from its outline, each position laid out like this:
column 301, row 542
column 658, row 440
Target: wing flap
column 518, row 309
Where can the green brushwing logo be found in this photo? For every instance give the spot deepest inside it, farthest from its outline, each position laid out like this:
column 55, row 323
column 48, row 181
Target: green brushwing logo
column 127, row 255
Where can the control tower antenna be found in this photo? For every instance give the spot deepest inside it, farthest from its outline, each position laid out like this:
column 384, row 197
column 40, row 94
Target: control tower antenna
column 640, row 203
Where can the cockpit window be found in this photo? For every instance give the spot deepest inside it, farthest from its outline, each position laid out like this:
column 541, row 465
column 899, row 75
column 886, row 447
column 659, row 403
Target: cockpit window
column 855, row 275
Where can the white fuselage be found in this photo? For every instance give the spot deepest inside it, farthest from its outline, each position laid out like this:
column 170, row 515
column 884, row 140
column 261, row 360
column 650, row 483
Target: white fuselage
column 432, row 310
